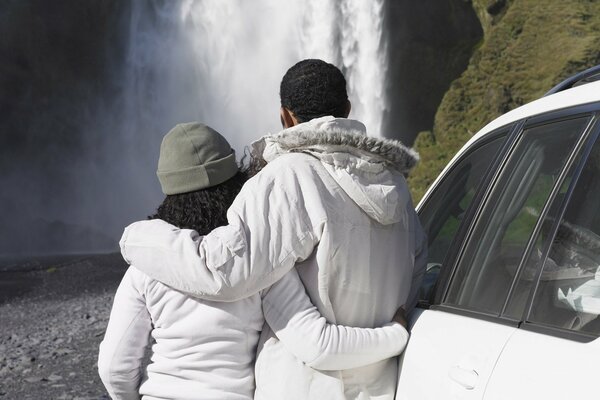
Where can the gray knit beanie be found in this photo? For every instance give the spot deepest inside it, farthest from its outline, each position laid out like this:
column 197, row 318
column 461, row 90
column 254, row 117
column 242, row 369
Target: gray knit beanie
column 194, row 156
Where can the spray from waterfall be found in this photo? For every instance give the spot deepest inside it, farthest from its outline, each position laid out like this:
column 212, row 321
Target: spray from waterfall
column 160, row 63
column 221, row 61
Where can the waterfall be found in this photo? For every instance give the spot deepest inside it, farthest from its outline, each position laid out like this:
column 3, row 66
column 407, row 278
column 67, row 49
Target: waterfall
column 348, row 33
column 165, row 62
column 221, row 62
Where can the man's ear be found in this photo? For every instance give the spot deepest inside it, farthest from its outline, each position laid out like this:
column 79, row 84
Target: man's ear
column 348, row 108
column 287, row 118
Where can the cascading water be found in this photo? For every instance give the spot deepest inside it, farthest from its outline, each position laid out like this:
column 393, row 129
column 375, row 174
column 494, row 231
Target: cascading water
column 217, row 61
column 349, row 34
column 221, row 61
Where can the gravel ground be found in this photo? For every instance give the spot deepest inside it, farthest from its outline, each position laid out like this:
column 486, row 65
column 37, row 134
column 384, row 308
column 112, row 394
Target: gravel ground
column 53, row 313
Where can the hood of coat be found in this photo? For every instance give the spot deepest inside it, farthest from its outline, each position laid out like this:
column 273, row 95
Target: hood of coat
column 370, row 170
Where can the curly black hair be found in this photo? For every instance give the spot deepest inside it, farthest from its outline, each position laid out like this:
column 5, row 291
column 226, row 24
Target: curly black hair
column 313, row 88
column 201, row 210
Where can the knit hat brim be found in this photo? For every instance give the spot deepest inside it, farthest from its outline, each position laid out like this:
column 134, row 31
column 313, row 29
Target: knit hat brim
column 198, row 177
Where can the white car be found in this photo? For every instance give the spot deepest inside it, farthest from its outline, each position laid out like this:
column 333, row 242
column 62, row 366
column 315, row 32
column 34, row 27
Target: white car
column 511, row 300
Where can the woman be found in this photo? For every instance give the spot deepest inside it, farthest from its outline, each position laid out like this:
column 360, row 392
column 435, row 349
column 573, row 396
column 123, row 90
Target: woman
column 203, row 349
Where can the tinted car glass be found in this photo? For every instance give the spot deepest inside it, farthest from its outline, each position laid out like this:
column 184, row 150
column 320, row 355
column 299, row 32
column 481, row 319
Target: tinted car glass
column 527, row 274
column 568, row 292
column 497, row 242
column 443, row 212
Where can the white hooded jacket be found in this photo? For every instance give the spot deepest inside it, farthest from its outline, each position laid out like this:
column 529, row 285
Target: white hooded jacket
column 334, row 203
column 206, row 350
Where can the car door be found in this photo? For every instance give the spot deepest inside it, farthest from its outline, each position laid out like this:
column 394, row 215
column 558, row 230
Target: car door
column 457, row 341
column 555, row 352
column 428, row 361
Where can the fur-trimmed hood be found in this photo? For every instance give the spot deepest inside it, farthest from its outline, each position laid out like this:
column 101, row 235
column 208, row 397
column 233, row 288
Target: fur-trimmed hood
column 370, row 170
column 336, row 135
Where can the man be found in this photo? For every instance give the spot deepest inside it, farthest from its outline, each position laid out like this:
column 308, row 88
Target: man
column 331, row 201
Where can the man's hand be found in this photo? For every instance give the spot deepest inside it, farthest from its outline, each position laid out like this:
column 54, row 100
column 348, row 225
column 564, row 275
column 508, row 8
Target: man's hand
column 400, row 317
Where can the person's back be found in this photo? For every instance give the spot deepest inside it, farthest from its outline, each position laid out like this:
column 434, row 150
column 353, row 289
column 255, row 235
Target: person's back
column 363, row 267
column 366, row 194
column 200, row 348
column 372, row 251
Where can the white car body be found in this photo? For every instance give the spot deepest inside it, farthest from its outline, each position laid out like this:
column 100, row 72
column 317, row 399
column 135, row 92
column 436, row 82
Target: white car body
column 458, row 351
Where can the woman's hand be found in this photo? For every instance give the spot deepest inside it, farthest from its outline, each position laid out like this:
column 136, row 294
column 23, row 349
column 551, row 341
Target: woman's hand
column 400, row 317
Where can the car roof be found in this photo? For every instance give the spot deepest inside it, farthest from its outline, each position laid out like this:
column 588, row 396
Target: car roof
column 588, row 93
column 579, row 95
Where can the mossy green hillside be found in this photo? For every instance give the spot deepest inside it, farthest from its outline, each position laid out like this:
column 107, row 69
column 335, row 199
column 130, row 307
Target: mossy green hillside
column 528, row 47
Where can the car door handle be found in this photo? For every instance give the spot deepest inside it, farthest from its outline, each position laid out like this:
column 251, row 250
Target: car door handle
column 467, row 378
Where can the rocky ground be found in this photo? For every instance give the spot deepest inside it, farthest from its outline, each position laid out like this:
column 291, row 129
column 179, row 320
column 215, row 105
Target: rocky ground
column 53, row 313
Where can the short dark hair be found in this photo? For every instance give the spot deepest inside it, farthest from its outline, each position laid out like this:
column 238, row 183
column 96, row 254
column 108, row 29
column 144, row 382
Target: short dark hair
column 313, row 88
column 201, row 210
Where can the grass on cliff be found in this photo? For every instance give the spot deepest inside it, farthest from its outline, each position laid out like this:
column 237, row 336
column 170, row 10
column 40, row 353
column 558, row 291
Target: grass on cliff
column 527, row 48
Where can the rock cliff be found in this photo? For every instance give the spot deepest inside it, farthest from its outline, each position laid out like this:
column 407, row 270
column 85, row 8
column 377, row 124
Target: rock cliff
column 528, row 46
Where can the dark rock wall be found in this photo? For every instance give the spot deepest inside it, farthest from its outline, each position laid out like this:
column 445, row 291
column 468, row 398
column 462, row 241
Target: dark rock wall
column 429, row 45
column 56, row 62
column 58, row 66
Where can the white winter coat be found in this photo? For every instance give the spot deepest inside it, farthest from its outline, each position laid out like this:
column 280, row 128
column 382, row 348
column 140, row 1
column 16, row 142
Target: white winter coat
column 206, row 350
column 332, row 201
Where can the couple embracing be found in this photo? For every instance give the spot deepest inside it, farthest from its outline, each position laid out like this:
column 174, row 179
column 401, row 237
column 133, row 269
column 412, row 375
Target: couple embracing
column 280, row 286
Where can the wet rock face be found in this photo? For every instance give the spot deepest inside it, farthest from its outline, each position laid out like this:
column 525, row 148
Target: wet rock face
column 57, row 63
column 55, row 58
column 429, row 45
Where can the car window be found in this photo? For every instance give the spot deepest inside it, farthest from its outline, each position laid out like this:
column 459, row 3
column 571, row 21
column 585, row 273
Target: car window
column 531, row 263
column 568, row 292
column 443, row 212
column 495, row 247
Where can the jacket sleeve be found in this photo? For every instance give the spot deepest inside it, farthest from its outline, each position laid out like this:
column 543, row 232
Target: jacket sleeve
column 319, row 344
column 127, row 336
column 268, row 231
